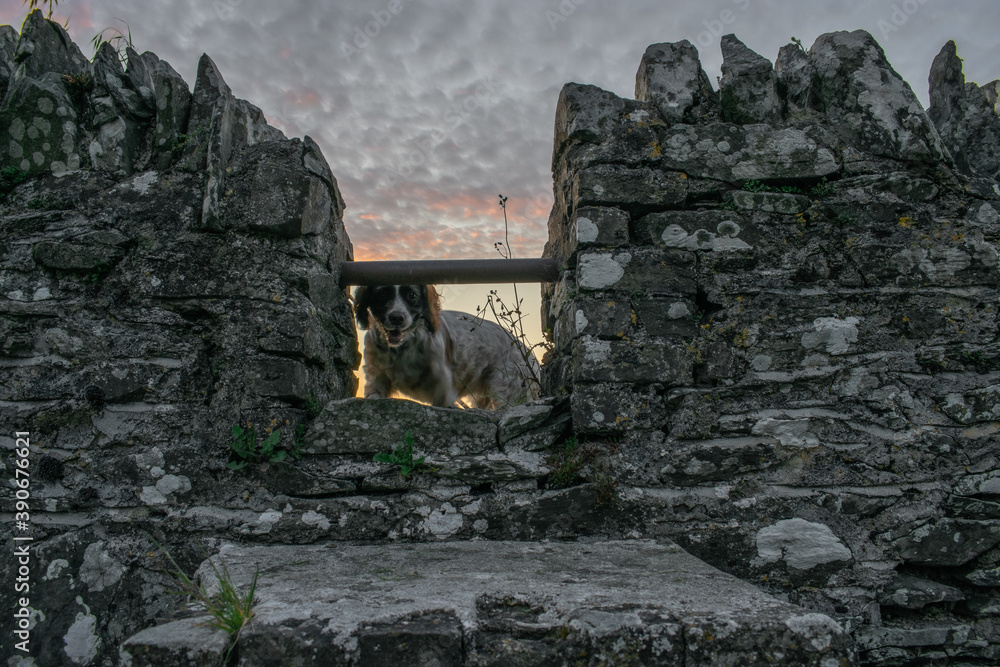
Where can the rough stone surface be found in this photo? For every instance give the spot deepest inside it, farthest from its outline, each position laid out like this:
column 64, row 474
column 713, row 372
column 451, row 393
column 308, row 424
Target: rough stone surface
column 748, row 88
column 493, row 603
column 774, row 344
column 792, row 370
column 965, row 115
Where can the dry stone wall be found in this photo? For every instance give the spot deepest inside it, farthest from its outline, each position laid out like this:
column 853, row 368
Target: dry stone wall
column 170, row 269
column 774, row 344
column 778, row 313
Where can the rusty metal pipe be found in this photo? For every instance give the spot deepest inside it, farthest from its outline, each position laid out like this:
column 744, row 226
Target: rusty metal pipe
column 449, row 272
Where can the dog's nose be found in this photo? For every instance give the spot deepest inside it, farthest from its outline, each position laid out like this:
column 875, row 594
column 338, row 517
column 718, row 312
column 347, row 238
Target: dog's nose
column 395, row 320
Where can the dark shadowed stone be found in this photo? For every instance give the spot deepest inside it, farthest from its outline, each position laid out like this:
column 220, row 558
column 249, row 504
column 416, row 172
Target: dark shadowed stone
column 626, row 361
column 38, row 127
column 218, row 123
column 948, row 542
column 432, row 638
column 117, row 106
column 601, row 226
column 794, row 72
column 670, row 76
column 172, row 101
column 8, row 46
column 45, row 47
column 992, row 92
column 769, row 202
column 369, row 426
column 584, row 113
column 625, row 187
column 867, row 101
column 965, row 116
column 747, row 88
column 912, row 592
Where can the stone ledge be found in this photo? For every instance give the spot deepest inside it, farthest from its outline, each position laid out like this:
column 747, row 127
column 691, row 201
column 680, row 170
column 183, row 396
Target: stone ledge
column 509, row 603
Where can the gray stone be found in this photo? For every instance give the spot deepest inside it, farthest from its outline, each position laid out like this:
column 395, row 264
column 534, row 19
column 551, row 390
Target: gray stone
column 172, row 102
column 190, row 642
column 733, row 153
column 46, row 48
column 912, row 592
column 948, row 542
column 610, row 185
column 40, row 131
column 747, row 89
column 503, row 602
column 965, row 116
column 8, row 46
column 670, row 76
column 584, row 113
column 868, row 103
column 794, row 74
column 618, row 361
column 770, row 202
column 370, row 426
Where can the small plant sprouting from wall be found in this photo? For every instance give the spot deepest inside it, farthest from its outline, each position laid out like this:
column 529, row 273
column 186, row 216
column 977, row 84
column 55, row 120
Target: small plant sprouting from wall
column 10, row 178
column 511, row 319
column 248, row 448
column 229, row 609
column 566, row 462
column 403, row 457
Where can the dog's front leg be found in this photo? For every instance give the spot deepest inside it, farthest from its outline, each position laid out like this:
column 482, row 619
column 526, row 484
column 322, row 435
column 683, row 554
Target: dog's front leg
column 377, row 385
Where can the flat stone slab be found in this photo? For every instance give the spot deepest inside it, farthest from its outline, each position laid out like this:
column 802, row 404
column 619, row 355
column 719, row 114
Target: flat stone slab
column 515, row 603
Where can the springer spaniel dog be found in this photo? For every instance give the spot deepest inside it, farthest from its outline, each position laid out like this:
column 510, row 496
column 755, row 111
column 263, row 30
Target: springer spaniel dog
column 439, row 356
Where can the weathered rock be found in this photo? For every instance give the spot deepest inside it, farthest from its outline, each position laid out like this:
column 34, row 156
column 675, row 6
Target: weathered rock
column 190, row 642
column 912, row 592
column 46, row 48
column 8, row 47
column 747, row 90
column 670, row 76
column 622, row 600
column 867, row 101
column 39, row 121
column 794, row 74
column 948, row 542
column 172, row 102
column 369, row 426
column 965, row 116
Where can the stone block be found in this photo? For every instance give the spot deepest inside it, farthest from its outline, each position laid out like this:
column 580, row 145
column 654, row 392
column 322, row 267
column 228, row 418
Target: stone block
column 667, row 364
column 670, row 76
column 629, row 188
column 769, row 202
column 748, row 88
column 643, row 270
column 948, row 542
column 614, row 407
column 370, row 426
column 694, row 230
column 189, row 642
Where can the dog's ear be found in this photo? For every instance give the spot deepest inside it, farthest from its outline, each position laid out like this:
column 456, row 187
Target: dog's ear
column 361, row 303
column 433, row 308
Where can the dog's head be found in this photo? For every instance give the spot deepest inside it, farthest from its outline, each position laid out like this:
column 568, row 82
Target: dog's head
column 396, row 311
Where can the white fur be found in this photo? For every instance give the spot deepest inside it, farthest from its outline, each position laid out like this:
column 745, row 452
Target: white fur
column 465, row 358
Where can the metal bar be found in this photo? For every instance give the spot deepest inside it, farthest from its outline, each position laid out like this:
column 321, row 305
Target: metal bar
column 449, row 271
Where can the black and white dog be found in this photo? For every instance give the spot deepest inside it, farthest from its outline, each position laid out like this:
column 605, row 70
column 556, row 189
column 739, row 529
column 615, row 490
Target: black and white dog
column 414, row 348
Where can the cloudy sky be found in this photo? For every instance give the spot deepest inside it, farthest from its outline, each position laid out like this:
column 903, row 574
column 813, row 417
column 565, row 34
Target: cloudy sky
column 427, row 109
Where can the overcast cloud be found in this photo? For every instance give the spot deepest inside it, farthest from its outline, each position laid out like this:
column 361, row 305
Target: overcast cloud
column 427, row 109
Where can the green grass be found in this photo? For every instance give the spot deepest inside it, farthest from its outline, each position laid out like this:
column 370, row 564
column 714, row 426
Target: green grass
column 403, row 457
column 248, row 449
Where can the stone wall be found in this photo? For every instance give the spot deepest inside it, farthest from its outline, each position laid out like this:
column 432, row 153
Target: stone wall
column 778, row 321
column 169, row 268
column 774, row 344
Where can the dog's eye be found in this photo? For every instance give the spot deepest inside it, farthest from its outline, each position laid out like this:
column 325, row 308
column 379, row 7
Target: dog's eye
column 412, row 297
